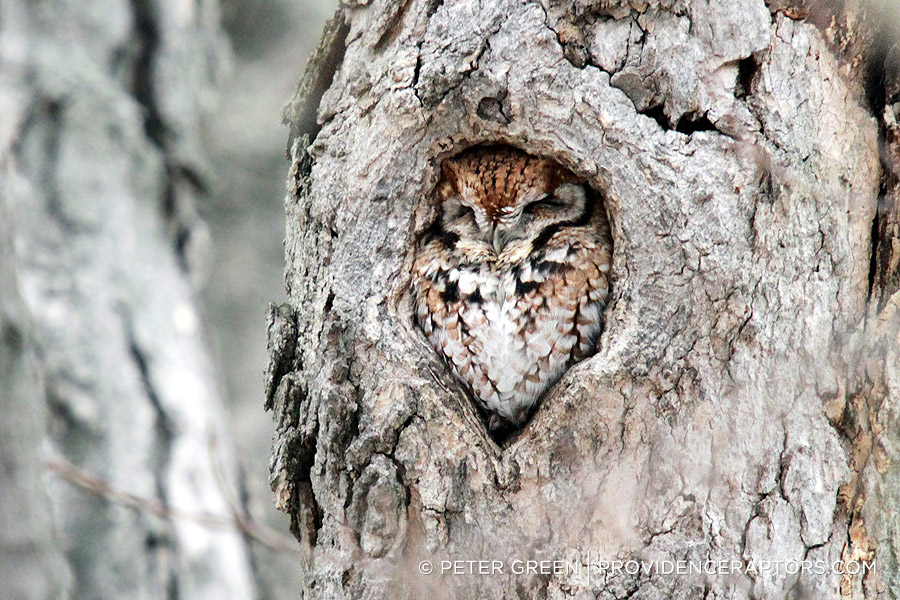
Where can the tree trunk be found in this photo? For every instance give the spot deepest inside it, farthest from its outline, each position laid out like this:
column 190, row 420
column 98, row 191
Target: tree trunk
column 743, row 382
column 31, row 564
column 102, row 163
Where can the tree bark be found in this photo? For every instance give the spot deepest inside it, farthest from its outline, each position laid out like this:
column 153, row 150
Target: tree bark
column 32, row 566
column 742, row 406
column 102, row 162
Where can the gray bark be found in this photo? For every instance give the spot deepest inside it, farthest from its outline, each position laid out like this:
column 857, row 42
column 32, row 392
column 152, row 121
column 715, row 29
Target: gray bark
column 742, row 405
column 102, row 157
column 31, row 564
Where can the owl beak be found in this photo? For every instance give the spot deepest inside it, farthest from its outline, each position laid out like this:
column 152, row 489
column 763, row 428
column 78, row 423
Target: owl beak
column 498, row 240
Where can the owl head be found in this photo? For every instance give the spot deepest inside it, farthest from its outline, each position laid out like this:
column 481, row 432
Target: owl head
column 496, row 196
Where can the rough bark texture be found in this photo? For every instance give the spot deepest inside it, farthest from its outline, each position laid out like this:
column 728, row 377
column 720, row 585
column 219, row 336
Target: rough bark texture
column 871, row 418
column 31, row 563
column 101, row 106
column 743, row 382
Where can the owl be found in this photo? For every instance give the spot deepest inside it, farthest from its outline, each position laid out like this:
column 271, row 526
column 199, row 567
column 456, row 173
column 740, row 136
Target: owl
column 511, row 281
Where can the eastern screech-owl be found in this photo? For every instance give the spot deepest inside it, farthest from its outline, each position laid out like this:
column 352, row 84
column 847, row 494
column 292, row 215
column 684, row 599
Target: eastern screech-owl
column 511, row 282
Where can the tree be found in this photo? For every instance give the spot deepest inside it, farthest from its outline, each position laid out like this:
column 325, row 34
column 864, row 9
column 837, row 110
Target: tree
column 102, row 355
column 742, row 406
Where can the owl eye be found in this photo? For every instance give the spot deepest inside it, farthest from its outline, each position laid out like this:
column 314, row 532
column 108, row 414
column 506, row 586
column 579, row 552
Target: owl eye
column 464, row 211
column 547, row 201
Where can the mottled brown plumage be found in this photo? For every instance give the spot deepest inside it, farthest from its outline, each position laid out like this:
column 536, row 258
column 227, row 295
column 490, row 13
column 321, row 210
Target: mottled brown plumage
column 511, row 282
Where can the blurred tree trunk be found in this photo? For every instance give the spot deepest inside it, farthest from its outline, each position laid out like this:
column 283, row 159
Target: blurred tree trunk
column 101, row 164
column 743, row 404
column 31, row 562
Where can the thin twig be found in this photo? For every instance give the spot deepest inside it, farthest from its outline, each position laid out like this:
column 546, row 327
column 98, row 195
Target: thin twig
column 239, row 520
column 245, row 521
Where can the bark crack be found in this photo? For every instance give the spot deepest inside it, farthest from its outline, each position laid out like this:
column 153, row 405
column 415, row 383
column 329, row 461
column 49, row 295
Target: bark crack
column 143, row 89
column 162, row 449
column 687, row 124
column 427, row 97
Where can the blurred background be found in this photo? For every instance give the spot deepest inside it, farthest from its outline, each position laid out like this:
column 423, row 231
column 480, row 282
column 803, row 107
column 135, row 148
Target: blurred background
column 134, row 447
column 132, row 463
column 271, row 40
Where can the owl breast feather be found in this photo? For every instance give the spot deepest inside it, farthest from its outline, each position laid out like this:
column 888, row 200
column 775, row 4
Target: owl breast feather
column 510, row 333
